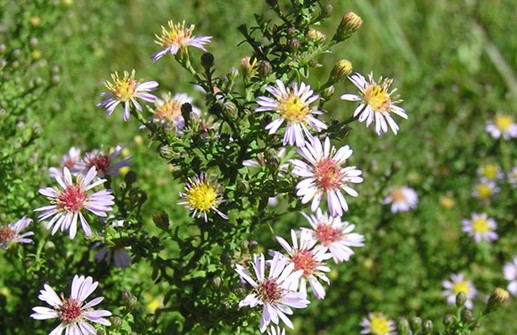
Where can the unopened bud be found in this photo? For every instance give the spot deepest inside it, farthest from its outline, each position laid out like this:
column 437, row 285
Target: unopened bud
column 216, row 282
column 341, row 70
column 248, row 67
column 461, row 299
column 161, row 220
column 402, row 326
column 428, row 327
column 350, row 23
column 245, row 244
column 328, row 93
column 230, row 109
column 132, row 303
column 316, row 35
column 253, row 245
column 327, row 10
column 466, row 315
column 167, row 152
column 416, row 324
column 116, row 322
column 448, row 320
column 498, row 297
column 232, row 74
column 207, row 60
column 130, row 177
column 293, row 44
column 100, row 332
column 186, row 109
column 265, row 68
column 272, row 159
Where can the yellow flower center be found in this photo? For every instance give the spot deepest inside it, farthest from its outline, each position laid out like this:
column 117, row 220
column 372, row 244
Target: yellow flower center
column 202, row 196
column 169, row 110
column 293, row 109
column 480, row 225
column 489, row 171
column 503, row 122
column 447, row 202
column 484, row 191
column 176, row 35
column 460, row 286
column 398, row 196
column 379, row 325
column 377, row 97
column 123, row 89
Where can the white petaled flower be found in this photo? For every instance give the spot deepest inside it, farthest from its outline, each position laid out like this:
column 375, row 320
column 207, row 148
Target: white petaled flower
column 490, row 172
column 481, row 227
column 10, row 233
column 177, row 36
column 334, row 235
column 485, row 189
column 126, row 90
column 502, row 125
column 456, row 285
column 309, row 258
column 105, row 163
column 377, row 103
column 75, row 314
column 202, row 195
column 167, row 110
column 293, row 106
column 325, row 173
column 402, row 199
column 69, row 203
column 70, row 161
column 275, row 330
column 273, row 291
column 510, row 274
column 377, row 324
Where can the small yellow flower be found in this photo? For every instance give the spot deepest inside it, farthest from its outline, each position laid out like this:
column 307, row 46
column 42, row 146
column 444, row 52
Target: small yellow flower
column 201, row 196
column 447, row 202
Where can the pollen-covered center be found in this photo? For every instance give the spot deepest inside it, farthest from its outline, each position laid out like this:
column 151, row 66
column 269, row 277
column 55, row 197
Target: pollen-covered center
column 460, row 286
column 490, row 171
column 503, row 122
column 379, row 325
column 123, row 88
column 480, row 225
column 202, row 196
column 176, row 35
column 293, row 109
column 70, row 310
column 6, row 233
column 72, row 198
column 269, row 291
column 101, row 163
column 326, row 234
column 377, row 97
column 398, row 196
column 304, row 260
column 328, row 174
column 484, row 191
column 168, row 111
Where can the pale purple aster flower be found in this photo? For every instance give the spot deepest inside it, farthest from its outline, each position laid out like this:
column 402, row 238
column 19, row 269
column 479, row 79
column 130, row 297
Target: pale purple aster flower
column 334, row 235
column 485, row 189
column 105, row 163
column 503, row 125
column 490, row 172
column 202, row 195
column 378, row 324
column 167, row 110
column 481, row 227
column 402, row 199
column 74, row 313
column 273, row 291
column 293, row 106
column 376, row 103
column 10, row 233
column 126, row 90
column 70, row 160
column 275, row 330
column 510, row 274
column 69, row 204
column 456, row 285
column 310, row 258
column 177, row 37
column 325, row 173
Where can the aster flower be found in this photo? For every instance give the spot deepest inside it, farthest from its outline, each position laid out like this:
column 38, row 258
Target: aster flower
column 377, row 103
column 456, row 285
column 201, row 196
column 275, row 330
column 481, row 227
column 115, row 254
column 273, row 291
column 10, row 233
column 502, row 125
column 105, row 163
column 69, row 161
column 334, row 235
column 74, row 313
column 325, row 173
column 293, row 107
column 168, row 110
column 377, row 324
column 126, row 90
column 306, row 256
column 485, row 189
column 402, row 199
column 177, row 37
column 489, row 172
column 510, row 274
column 69, row 204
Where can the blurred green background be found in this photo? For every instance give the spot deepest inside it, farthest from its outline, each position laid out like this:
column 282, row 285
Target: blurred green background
column 453, row 62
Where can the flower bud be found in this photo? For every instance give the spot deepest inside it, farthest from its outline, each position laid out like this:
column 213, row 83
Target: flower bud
column 328, row 93
column 402, row 326
column 216, row 282
column 207, row 60
column 416, row 324
column 326, row 11
column 466, row 315
column 272, row 159
column 265, row 68
column 498, row 297
column 232, row 74
column 316, row 35
column 341, row 70
column 100, row 332
column 428, row 327
column 3, row 48
column 461, row 298
column 248, row 67
column 293, row 44
column 161, row 220
column 350, row 22
column 130, row 177
column 448, row 320
column 253, row 245
column 116, row 322
column 186, row 109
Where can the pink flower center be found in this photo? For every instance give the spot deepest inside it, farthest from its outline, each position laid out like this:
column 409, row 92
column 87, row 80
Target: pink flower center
column 328, row 174
column 326, row 234
column 101, row 163
column 69, row 163
column 6, row 234
column 304, row 260
column 72, row 198
column 70, row 310
column 269, row 291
